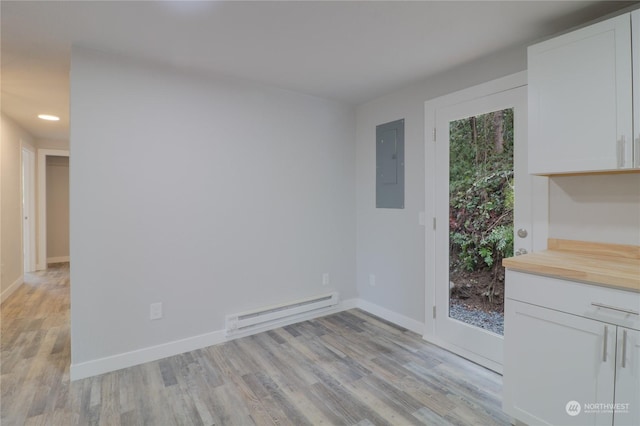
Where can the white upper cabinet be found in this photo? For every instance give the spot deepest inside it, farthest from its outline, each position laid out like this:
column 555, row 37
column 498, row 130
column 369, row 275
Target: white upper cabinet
column 580, row 99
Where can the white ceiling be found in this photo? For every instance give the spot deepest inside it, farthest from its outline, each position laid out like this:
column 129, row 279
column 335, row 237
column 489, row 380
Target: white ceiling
column 347, row 51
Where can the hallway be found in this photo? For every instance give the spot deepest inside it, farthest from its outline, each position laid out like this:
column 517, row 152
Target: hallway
column 35, row 350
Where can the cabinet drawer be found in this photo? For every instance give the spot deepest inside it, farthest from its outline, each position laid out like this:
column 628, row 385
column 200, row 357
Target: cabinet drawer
column 575, row 298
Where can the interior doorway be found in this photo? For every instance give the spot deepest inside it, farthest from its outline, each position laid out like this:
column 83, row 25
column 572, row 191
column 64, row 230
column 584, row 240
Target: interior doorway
column 45, row 155
column 28, row 209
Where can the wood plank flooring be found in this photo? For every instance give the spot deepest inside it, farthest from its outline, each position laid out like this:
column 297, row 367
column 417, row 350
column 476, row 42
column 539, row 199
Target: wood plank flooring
column 349, row 368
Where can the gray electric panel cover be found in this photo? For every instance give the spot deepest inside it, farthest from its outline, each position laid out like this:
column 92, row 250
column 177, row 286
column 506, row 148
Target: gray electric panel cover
column 390, row 165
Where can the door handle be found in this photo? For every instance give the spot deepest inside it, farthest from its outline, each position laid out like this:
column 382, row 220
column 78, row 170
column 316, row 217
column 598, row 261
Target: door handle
column 522, row 233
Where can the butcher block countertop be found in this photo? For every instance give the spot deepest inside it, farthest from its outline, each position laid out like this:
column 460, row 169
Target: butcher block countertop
column 612, row 265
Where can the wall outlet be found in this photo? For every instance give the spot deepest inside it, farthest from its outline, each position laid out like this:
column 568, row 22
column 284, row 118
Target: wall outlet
column 372, row 280
column 155, row 311
column 325, row 278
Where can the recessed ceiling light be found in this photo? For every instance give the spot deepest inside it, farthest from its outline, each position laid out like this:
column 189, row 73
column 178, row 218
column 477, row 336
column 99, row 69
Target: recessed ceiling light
column 49, row 117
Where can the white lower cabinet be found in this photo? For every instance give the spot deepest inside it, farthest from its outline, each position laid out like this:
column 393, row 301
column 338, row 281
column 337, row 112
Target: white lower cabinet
column 563, row 365
column 627, row 389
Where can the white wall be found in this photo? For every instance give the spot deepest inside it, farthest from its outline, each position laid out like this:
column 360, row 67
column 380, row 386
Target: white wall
column 211, row 196
column 61, row 144
column 57, row 208
column 11, row 203
column 602, row 208
column 391, row 243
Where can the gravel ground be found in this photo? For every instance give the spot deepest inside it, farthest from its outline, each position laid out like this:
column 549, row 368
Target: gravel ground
column 489, row 321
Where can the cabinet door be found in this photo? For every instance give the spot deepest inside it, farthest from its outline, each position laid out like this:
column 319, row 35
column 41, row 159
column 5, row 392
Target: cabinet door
column 580, row 100
column 553, row 358
column 627, row 378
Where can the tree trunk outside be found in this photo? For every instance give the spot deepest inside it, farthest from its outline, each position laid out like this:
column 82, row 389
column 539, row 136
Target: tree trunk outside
column 474, row 137
column 498, row 125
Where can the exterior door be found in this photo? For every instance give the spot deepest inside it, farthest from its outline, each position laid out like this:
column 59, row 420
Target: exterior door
column 472, row 199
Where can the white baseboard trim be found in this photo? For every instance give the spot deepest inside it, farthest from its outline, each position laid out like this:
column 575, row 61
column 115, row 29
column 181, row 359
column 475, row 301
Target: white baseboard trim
column 141, row 356
column 58, row 259
column 349, row 304
column 391, row 316
column 13, row 287
column 154, row 353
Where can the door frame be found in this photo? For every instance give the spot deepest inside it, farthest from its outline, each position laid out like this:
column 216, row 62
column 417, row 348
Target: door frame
column 42, row 202
column 28, row 207
column 539, row 214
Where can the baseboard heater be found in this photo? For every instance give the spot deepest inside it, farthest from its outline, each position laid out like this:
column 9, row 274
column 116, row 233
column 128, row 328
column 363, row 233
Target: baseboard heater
column 253, row 321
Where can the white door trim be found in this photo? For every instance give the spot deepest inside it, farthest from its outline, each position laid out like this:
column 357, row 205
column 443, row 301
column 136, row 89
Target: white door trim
column 540, row 208
column 42, row 202
column 29, row 190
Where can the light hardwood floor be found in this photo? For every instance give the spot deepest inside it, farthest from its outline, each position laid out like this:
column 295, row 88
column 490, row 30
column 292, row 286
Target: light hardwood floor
column 349, row 368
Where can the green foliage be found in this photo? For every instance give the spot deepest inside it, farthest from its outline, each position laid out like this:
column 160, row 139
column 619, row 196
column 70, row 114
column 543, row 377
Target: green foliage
column 500, row 240
column 481, row 191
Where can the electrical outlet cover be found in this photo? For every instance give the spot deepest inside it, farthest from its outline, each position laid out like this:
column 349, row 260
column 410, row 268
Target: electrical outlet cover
column 155, row 311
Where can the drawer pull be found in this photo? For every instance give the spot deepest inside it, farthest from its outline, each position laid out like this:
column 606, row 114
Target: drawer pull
column 624, row 348
column 626, row 311
column 604, row 345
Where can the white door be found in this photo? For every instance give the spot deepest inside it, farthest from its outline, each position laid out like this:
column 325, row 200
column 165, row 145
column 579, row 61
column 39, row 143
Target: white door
column 28, row 210
column 628, row 378
column 482, row 345
column 549, row 383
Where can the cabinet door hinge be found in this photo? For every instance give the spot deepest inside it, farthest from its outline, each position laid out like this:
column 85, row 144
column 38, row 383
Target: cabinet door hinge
column 434, row 223
column 434, row 311
column 434, row 134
